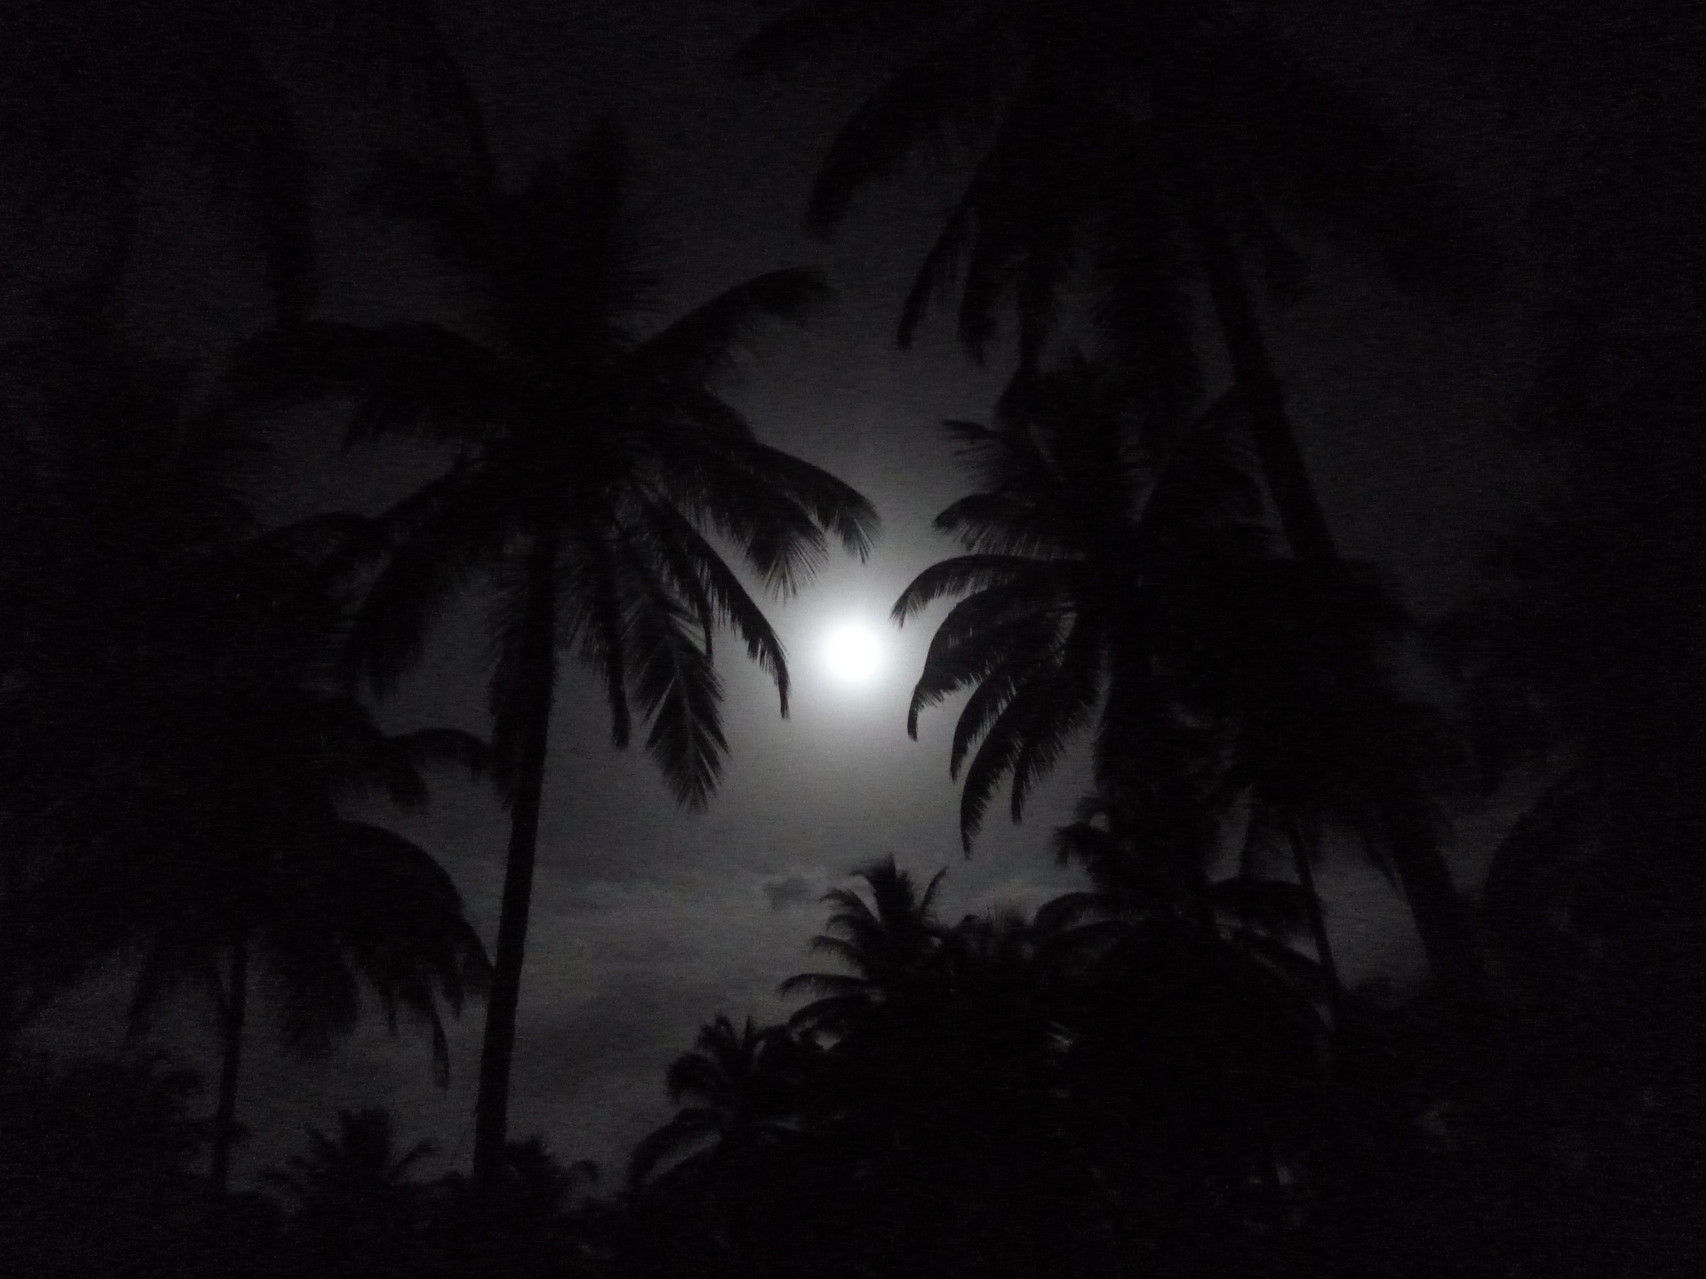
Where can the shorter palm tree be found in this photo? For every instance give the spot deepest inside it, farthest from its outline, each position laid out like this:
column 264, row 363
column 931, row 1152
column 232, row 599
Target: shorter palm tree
column 356, row 1211
column 887, row 942
column 746, row 1090
column 361, row 1162
column 233, row 848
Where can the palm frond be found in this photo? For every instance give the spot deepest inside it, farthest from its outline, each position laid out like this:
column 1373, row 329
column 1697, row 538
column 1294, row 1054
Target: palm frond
column 833, row 504
column 696, row 564
column 948, row 94
column 703, row 346
column 962, row 654
column 605, row 640
column 442, row 538
column 1033, row 713
column 838, row 985
column 689, row 1131
column 1002, row 581
column 680, row 694
column 1001, row 524
column 1069, row 695
column 774, row 534
column 997, row 687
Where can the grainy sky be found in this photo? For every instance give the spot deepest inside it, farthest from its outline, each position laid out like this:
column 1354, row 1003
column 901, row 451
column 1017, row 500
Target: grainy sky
column 648, row 921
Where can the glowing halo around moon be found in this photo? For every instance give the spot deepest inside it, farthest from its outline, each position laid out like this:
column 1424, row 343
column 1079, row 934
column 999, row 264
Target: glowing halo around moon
column 852, row 652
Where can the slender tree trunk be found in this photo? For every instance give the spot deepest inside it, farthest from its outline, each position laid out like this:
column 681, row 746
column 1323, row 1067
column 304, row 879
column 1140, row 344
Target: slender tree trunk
column 1440, row 914
column 1295, row 503
column 1301, row 847
column 1442, row 917
column 538, row 666
column 225, row 1114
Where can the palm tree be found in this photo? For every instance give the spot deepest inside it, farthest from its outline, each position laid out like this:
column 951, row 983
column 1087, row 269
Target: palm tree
column 745, row 1087
column 362, row 1162
column 1148, row 144
column 888, row 942
column 175, row 763
column 1084, row 517
column 1109, row 580
column 1294, row 659
column 595, row 461
column 356, row 1209
column 234, row 850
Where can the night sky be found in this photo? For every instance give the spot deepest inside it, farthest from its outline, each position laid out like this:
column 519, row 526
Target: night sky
column 647, row 920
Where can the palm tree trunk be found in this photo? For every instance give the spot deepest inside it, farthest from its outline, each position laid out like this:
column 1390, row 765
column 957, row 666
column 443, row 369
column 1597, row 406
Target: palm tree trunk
column 1301, row 847
column 537, row 662
column 1440, row 914
column 225, row 1114
column 1295, row 502
column 1442, row 918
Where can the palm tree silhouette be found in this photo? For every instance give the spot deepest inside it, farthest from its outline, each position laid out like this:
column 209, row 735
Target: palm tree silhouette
column 356, row 1210
column 174, row 768
column 1083, row 519
column 888, row 942
column 745, row 1087
column 1148, row 144
column 1296, row 658
column 361, row 1162
column 1110, row 580
column 595, row 461
column 236, row 850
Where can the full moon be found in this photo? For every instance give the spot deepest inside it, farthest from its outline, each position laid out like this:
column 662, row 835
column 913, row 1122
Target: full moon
column 852, row 652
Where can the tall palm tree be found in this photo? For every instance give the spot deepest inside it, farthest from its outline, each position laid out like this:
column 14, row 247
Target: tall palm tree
column 1150, row 143
column 1294, row 658
column 596, row 461
column 1110, row 581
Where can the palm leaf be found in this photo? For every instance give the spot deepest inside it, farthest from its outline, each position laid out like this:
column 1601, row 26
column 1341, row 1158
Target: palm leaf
column 679, row 692
column 442, row 537
column 1003, row 577
column 697, row 564
column 959, row 658
column 1069, row 693
column 702, row 347
column 948, row 93
column 688, row 1131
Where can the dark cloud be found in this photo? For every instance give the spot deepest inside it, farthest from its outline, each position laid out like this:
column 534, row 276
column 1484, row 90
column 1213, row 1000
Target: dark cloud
column 794, row 889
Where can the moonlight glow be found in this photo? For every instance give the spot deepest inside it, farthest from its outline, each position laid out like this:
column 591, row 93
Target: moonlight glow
column 853, row 652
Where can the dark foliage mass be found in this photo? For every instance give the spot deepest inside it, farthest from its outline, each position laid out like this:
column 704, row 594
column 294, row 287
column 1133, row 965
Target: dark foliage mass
column 1164, row 1074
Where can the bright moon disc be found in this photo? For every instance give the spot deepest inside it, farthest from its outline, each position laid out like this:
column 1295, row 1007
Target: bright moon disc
column 852, row 652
